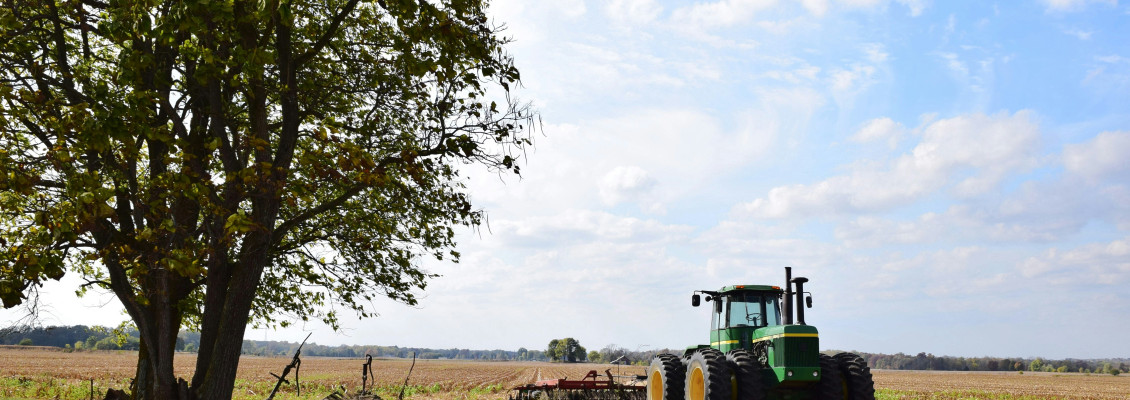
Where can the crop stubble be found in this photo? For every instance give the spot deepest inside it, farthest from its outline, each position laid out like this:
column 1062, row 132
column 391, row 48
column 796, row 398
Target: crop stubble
column 955, row 384
column 445, row 379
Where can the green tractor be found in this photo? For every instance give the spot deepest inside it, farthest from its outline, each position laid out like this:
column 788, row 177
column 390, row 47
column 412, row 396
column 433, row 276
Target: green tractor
column 757, row 352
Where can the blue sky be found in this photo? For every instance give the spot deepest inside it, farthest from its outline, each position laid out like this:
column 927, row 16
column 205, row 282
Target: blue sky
column 952, row 176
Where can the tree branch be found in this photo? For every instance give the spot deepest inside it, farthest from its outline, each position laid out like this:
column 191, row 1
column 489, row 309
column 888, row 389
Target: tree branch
column 327, row 36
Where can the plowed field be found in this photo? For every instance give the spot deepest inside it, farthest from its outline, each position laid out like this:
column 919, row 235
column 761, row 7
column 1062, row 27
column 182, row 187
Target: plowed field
column 1000, row 385
column 44, row 374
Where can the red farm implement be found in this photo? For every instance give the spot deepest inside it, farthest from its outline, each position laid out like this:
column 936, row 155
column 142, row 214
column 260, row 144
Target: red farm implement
column 592, row 386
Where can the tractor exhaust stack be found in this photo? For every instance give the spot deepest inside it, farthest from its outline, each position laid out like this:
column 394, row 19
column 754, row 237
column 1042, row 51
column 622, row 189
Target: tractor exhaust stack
column 800, row 299
column 788, row 296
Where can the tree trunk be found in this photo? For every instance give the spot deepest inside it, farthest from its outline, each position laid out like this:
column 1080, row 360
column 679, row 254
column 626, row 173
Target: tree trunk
column 158, row 326
column 216, row 378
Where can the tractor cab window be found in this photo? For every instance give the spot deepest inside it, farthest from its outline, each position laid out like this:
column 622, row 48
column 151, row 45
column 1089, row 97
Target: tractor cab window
column 751, row 309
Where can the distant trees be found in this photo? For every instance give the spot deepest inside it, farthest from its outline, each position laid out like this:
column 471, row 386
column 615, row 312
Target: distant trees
column 612, row 353
column 551, row 350
column 25, row 342
column 925, row 361
column 594, row 356
column 567, row 350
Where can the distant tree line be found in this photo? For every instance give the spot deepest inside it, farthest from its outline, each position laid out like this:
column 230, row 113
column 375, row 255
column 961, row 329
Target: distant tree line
column 925, row 361
column 80, row 337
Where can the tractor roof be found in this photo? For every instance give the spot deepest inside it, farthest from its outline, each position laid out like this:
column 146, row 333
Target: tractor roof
column 750, row 288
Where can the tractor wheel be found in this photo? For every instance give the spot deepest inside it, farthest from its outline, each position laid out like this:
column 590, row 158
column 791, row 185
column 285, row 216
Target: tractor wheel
column 665, row 378
column 745, row 376
column 857, row 376
column 831, row 386
column 708, row 376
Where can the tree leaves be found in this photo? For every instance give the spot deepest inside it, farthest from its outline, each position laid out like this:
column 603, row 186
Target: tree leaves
column 162, row 136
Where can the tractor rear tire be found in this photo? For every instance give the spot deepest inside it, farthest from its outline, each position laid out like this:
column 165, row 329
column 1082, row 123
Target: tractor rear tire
column 857, row 376
column 831, row 386
column 665, row 378
column 745, row 376
column 708, row 376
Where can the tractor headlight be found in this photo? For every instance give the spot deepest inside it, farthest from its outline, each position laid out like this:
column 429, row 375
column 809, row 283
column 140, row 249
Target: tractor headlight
column 789, row 374
column 814, row 374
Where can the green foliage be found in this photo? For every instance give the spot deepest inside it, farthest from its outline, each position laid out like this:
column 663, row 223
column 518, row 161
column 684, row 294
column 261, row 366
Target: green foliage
column 289, row 159
column 925, row 361
column 551, row 350
column 594, row 356
column 25, row 342
column 567, row 350
column 112, row 162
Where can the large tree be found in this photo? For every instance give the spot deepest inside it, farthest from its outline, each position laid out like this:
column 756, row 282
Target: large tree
column 215, row 163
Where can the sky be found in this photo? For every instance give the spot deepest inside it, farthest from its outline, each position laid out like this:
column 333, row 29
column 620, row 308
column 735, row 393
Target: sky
column 952, row 176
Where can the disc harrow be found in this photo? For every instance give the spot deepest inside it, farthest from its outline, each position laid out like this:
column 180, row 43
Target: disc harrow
column 591, row 387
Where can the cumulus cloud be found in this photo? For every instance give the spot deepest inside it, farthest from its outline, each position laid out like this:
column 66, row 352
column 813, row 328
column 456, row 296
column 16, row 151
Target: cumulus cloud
column 633, row 11
column 720, row 13
column 573, row 226
column 1103, row 157
column 969, row 154
column 1093, row 263
column 880, row 129
column 816, row 7
column 629, row 183
column 863, row 3
column 820, row 7
column 846, row 84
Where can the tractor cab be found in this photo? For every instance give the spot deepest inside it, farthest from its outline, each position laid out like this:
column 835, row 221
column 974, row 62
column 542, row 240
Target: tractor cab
column 740, row 310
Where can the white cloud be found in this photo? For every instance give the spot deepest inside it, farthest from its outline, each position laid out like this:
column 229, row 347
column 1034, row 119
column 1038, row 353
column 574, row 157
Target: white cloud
column 1081, row 35
column 1104, row 157
column 880, row 129
column 846, row 84
column 816, row 7
column 573, row 226
column 819, row 8
column 628, row 183
column 1112, row 59
column 721, row 13
column 1074, row 5
column 863, row 3
column 971, row 154
column 803, row 74
column 570, row 8
column 1110, row 76
column 1094, row 263
column 954, row 63
column 633, row 11
column 916, row 6
column 876, row 52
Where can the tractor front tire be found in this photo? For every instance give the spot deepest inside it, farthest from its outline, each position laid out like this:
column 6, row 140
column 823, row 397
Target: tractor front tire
column 745, row 376
column 708, row 376
column 857, row 376
column 665, row 378
column 831, row 385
